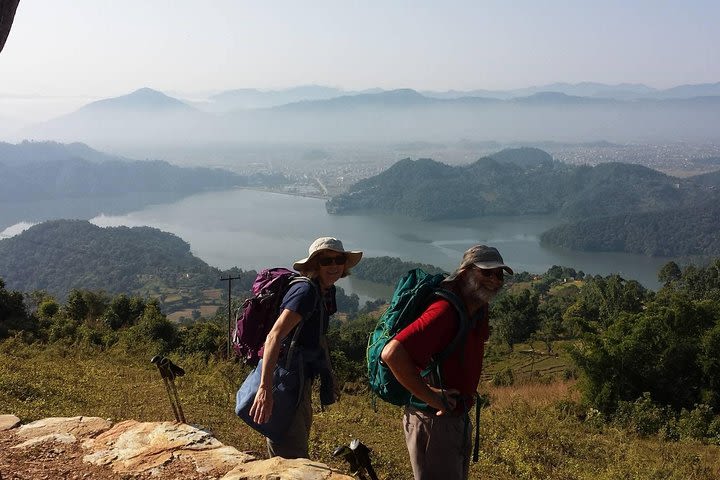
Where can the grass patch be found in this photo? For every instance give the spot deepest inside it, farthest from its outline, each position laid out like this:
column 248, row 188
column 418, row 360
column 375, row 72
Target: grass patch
column 529, row 362
column 212, row 294
column 172, row 298
column 206, row 311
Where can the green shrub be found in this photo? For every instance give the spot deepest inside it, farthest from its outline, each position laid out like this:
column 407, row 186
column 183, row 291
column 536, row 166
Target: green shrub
column 642, row 416
column 48, row 308
column 695, row 424
column 569, row 409
column 503, row 378
column 595, row 419
column 713, row 433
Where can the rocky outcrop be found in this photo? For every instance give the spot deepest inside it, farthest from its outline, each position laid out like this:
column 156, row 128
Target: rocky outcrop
column 8, row 421
column 133, row 449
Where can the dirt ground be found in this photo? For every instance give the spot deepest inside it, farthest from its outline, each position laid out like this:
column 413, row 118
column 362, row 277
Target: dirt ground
column 55, row 461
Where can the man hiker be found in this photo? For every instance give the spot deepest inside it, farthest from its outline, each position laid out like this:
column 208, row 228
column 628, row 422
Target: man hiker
column 436, row 424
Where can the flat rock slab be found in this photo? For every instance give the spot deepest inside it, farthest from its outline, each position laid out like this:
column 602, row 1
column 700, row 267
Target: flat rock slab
column 131, row 447
column 52, row 437
column 277, row 468
column 76, row 426
column 8, row 422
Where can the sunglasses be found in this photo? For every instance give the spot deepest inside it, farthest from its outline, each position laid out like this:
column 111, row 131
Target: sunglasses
column 495, row 272
column 327, row 261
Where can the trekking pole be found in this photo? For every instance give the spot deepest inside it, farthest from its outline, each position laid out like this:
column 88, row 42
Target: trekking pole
column 349, row 456
column 362, row 454
column 168, row 372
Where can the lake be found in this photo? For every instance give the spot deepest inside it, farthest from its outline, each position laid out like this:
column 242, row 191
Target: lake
column 255, row 229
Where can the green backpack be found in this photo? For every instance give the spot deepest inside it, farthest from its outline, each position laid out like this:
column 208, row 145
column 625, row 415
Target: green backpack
column 413, row 294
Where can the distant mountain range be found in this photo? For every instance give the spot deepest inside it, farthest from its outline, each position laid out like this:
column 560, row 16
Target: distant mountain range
column 251, row 98
column 600, row 203
column 146, row 99
column 568, row 113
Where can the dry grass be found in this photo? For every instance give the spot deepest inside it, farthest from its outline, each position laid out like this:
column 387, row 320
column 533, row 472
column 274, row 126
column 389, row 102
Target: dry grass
column 536, row 395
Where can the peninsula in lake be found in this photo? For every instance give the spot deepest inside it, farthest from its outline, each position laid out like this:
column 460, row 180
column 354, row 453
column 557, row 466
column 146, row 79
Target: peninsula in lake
column 609, row 207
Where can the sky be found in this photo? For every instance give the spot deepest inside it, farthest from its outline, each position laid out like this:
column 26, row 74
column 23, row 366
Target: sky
column 105, row 48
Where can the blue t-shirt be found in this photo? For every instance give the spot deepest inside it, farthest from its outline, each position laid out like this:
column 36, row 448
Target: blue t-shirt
column 301, row 298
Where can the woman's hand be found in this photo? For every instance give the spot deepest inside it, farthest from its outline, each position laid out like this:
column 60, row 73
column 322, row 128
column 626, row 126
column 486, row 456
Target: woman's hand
column 262, row 405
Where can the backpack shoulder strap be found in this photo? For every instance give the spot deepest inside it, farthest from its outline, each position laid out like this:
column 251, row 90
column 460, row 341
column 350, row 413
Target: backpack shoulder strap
column 434, row 369
column 463, row 327
column 298, row 328
column 315, row 289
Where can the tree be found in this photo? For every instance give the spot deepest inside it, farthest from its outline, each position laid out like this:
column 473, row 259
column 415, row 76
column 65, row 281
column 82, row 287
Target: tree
column 123, row 311
column 13, row 313
column 670, row 272
column 75, row 307
column 206, row 338
column 551, row 320
column 709, row 361
column 347, row 303
column 514, row 316
column 156, row 327
column 48, row 309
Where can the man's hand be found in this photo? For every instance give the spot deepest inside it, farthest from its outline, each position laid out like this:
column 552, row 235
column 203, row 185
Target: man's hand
column 446, row 400
column 401, row 365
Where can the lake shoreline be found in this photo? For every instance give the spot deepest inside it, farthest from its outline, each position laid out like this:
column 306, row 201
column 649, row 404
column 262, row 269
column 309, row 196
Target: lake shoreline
column 256, row 228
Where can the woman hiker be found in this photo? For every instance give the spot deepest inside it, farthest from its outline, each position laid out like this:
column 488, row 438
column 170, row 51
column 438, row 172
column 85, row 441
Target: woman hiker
column 326, row 263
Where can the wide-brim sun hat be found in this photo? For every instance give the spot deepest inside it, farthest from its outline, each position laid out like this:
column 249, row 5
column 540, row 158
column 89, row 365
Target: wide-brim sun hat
column 332, row 244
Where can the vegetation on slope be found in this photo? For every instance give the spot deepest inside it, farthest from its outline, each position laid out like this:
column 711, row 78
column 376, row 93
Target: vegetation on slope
column 388, row 270
column 516, row 182
column 60, row 255
column 684, row 232
column 32, row 171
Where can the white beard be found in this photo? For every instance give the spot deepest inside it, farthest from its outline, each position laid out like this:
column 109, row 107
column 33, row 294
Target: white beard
column 473, row 290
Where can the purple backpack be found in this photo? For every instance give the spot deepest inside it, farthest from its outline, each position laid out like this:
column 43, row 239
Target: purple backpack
column 258, row 313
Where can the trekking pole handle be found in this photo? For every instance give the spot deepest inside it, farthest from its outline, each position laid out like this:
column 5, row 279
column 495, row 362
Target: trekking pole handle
column 167, row 368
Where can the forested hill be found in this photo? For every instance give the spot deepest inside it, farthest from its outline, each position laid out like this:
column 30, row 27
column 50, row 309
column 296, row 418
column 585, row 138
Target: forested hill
column 49, row 170
column 62, row 255
column 517, row 182
column 388, row 270
column 684, row 232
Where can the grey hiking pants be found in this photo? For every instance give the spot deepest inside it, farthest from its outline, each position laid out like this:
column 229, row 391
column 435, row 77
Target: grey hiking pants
column 295, row 443
column 439, row 446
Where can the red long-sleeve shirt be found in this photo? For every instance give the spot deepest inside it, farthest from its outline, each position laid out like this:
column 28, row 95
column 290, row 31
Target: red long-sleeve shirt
column 433, row 331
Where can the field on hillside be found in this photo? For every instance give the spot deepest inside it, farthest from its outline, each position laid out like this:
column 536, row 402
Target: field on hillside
column 530, row 431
